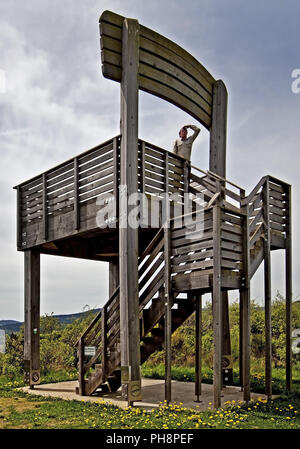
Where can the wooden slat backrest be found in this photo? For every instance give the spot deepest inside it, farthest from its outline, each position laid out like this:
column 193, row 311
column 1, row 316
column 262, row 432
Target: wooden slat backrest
column 165, row 69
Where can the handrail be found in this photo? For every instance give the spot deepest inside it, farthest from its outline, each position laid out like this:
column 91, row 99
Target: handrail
column 98, row 316
column 278, row 181
column 218, row 177
column 225, row 180
column 249, row 197
column 68, row 161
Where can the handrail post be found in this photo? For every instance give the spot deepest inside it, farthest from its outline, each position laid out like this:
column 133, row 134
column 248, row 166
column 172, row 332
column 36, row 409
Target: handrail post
column 45, row 212
column 76, row 195
column 116, row 168
column 19, row 218
column 81, row 367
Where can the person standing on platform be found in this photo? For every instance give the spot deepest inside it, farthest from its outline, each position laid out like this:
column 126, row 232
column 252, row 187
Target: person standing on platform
column 183, row 145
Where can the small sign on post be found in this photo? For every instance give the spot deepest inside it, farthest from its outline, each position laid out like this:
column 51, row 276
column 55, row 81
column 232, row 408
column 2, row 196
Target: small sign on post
column 90, row 351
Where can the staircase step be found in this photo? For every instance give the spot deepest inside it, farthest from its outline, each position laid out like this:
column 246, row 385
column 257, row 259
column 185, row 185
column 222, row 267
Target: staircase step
column 115, row 380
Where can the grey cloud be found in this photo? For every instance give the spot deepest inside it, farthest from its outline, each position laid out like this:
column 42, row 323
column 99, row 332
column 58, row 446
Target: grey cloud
column 58, row 104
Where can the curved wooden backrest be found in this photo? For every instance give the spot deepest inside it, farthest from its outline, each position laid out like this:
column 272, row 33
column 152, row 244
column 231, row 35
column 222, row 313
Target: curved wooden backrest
column 165, row 69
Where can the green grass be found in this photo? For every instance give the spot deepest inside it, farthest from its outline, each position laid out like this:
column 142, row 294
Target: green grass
column 52, row 376
column 187, row 374
column 20, row 410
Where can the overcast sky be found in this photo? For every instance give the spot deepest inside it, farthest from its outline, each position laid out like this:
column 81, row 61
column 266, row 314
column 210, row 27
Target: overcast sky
column 55, row 104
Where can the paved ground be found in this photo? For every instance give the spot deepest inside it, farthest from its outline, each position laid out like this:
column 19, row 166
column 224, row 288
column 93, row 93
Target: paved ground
column 152, row 390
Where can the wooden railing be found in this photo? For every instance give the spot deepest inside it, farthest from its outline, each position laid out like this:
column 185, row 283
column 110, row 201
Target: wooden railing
column 267, row 209
column 96, row 174
column 66, row 187
column 97, row 334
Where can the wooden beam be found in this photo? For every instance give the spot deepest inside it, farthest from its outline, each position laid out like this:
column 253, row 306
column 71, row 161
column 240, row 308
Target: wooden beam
column 267, row 291
column 216, row 301
column 288, row 286
column 45, row 209
column 167, row 281
column 198, row 351
column 218, row 131
column 76, row 196
column 241, row 339
column 81, row 380
column 226, row 343
column 19, row 218
column 32, row 316
column 113, row 277
column 104, row 343
column 245, row 309
column 168, row 316
column 128, row 236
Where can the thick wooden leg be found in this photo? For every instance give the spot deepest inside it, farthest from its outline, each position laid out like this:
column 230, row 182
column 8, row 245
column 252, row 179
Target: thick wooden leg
column 32, row 317
column 198, row 352
column 226, row 344
column 217, row 307
column 288, row 290
column 267, row 288
column 128, row 233
column 168, row 314
column 245, row 298
column 241, row 369
column 217, row 331
column 168, row 378
column 268, row 327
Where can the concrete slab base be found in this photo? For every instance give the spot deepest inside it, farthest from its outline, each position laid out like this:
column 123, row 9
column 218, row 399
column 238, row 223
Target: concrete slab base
column 152, row 391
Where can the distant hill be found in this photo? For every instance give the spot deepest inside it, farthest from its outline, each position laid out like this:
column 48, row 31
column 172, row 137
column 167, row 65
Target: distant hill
column 14, row 326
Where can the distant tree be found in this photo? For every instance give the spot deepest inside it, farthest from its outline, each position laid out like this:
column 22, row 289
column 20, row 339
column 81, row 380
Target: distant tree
column 49, row 323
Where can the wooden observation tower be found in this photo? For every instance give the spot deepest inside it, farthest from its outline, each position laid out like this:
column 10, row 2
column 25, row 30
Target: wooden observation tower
column 160, row 268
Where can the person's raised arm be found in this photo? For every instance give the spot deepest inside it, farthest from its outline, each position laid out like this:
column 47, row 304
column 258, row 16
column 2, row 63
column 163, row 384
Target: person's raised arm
column 196, row 131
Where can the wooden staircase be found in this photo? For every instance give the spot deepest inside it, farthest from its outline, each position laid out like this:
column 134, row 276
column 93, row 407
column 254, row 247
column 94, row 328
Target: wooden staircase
column 259, row 217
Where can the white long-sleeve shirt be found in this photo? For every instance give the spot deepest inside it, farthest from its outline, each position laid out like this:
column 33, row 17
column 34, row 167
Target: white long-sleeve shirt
column 183, row 148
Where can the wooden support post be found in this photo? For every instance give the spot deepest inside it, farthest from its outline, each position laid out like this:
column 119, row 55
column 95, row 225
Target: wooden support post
column 168, row 316
column 245, row 298
column 216, row 302
column 267, row 290
column 81, row 367
column 104, row 342
column 245, row 310
column 128, row 235
column 113, row 276
column 226, row 343
column 288, row 287
column 45, row 209
column 76, row 196
column 241, row 339
column 198, row 352
column 217, row 164
column 218, row 132
column 32, row 316
column 168, row 288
